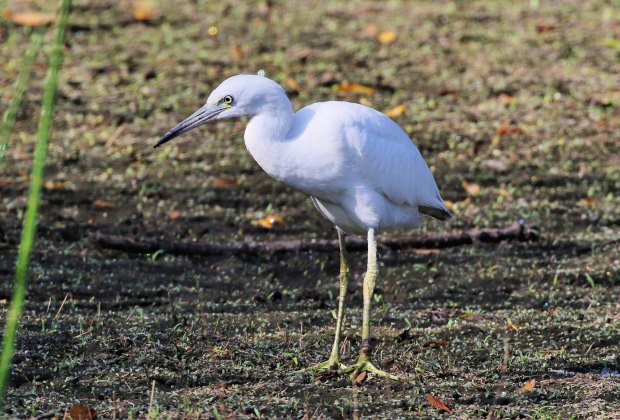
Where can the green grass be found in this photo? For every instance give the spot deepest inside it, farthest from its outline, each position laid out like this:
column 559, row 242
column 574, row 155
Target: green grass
column 34, row 197
column 18, row 91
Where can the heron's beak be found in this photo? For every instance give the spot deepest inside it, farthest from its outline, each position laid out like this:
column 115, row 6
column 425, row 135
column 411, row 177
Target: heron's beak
column 198, row 118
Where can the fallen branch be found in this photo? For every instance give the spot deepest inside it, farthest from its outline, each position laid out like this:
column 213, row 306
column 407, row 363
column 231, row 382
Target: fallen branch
column 518, row 231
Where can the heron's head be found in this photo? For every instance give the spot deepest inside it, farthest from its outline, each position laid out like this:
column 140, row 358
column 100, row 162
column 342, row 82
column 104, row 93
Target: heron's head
column 236, row 96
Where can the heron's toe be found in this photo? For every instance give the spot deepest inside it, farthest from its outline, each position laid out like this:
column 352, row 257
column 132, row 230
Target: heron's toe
column 328, row 367
column 365, row 365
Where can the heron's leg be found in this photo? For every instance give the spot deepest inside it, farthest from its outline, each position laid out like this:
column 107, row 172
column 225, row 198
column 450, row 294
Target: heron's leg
column 363, row 363
column 344, row 282
column 334, row 363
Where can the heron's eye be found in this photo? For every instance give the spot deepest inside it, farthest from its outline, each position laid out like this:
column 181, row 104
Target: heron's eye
column 228, row 99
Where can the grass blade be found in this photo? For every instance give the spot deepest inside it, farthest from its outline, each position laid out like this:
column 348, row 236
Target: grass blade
column 3, row 4
column 34, row 195
column 20, row 88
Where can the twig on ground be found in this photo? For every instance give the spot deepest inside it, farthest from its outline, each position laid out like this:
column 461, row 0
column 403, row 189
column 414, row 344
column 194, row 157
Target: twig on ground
column 47, row 415
column 151, row 401
column 519, row 231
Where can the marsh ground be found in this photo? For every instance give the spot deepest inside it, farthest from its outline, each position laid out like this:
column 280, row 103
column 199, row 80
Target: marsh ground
column 516, row 107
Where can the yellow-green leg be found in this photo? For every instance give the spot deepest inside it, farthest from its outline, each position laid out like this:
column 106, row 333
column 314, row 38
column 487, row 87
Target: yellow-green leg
column 333, row 363
column 363, row 363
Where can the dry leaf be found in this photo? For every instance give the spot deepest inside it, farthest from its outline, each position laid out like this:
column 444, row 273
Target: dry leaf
column 55, row 185
column 453, row 93
column 387, row 37
column 174, row 214
column 355, row 88
column 503, row 127
column 396, row 111
column 371, row 30
column 514, row 326
column 224, row 182
column 425, row 251
column 506, row 99
column 435, row 343
column 504, row 193
column 31, row 18
column 449, row 204
column 144, row 10
column 529, row 385
column 361, row 377
column 590, row 201
column 472, row 189
column 365, row 101
column 292, row 84
column 268, row 222
column 437, row 403
column 82, row 412
column 508, row 128
column 237, row 53
column 102, row 204
column 466, row 315
column 544, row 28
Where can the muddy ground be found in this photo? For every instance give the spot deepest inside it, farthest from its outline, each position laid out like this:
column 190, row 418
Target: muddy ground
column 516, row 107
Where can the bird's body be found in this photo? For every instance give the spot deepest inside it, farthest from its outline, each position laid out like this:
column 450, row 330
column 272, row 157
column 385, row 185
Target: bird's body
column 360, row 168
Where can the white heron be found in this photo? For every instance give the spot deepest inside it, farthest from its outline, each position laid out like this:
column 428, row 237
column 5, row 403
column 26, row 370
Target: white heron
column 361, row 170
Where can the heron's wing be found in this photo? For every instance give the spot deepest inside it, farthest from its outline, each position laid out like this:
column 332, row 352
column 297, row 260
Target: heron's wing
column 393, row 165
column 365, row 145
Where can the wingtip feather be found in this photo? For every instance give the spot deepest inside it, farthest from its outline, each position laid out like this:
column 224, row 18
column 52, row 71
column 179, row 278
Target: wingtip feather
column 435, row 212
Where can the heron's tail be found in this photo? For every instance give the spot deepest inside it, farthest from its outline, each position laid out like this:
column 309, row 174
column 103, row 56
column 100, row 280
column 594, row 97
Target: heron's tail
column 440, row 213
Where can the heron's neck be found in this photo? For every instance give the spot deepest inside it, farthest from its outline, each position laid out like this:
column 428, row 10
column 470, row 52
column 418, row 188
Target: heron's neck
column 266, row 137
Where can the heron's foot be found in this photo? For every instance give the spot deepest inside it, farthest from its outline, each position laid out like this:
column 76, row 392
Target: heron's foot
column 330, row 366
column 364, row 365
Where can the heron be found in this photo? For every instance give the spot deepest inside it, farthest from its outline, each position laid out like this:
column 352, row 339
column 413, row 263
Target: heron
column 361, row 170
